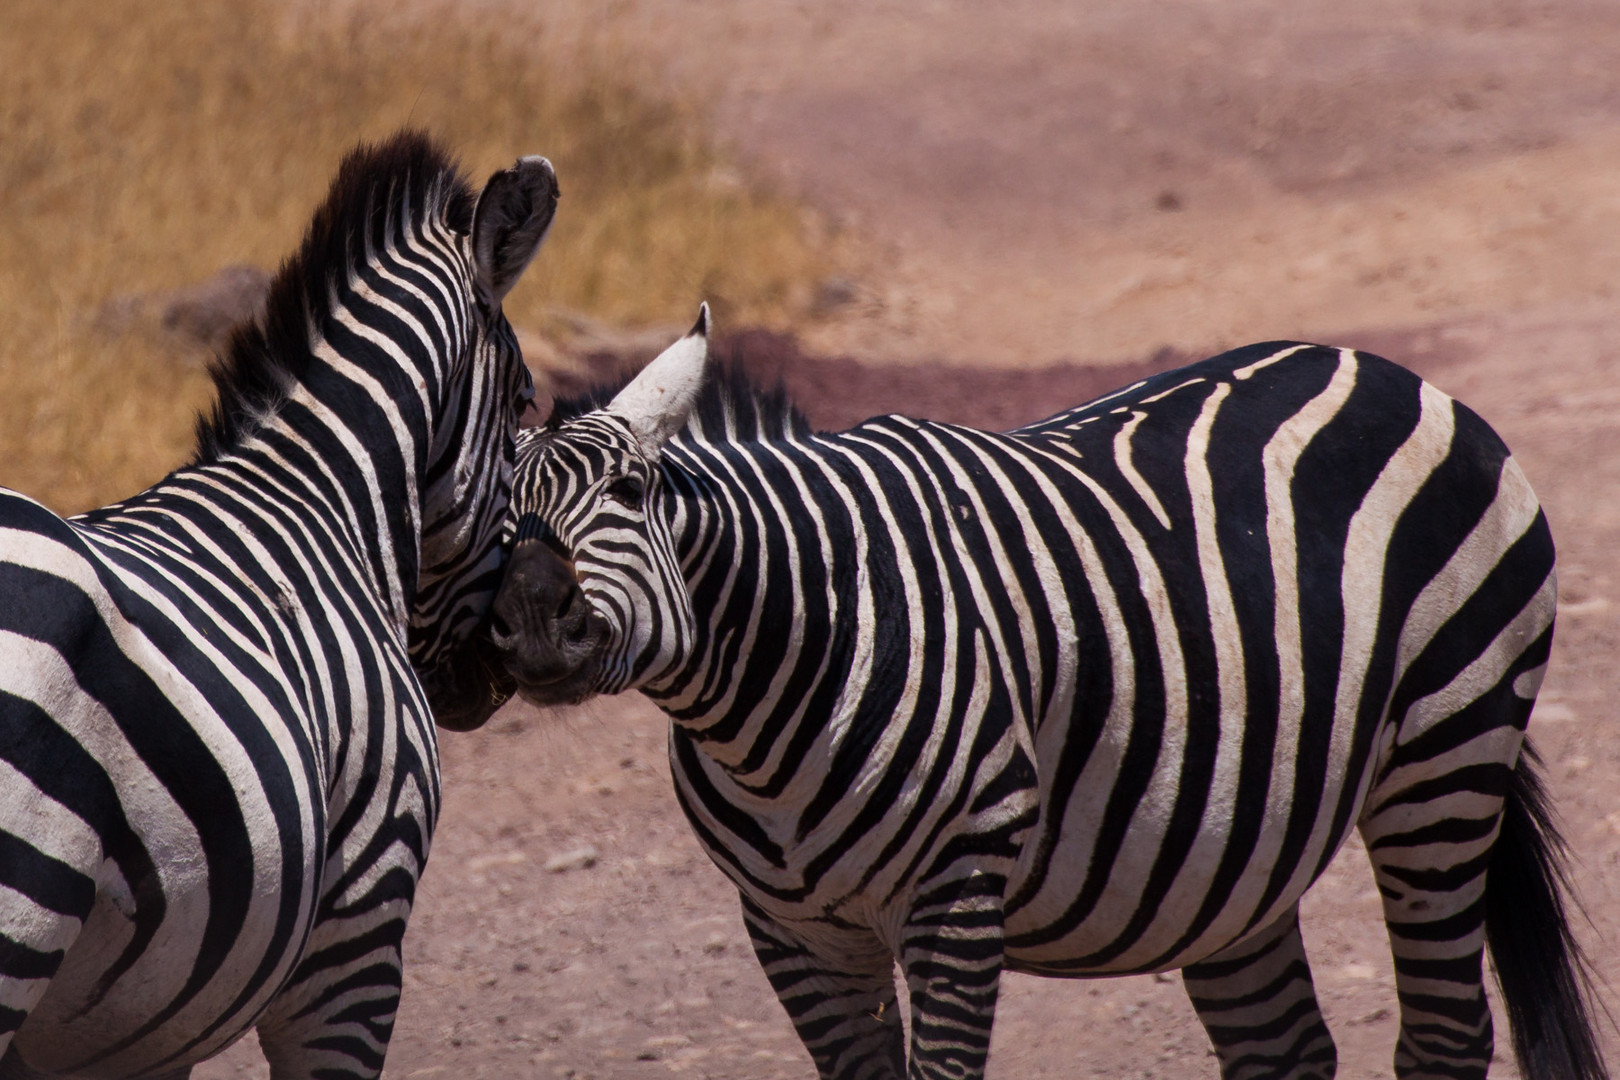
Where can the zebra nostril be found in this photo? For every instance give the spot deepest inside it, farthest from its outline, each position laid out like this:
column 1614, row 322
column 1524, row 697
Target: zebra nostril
column 573, row 610
column 500, row 634
column 577, row 630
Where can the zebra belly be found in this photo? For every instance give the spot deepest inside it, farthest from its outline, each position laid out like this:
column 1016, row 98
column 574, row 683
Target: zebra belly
column 1170, row 825
column 1155, row 907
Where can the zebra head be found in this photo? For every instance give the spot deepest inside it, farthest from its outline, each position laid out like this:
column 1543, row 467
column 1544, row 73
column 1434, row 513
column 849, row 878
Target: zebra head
column 469, row 468
column 593, row 600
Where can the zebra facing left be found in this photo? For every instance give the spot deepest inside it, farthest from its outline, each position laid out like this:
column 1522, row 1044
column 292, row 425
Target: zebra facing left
column 1099, row 696
column 218, row 767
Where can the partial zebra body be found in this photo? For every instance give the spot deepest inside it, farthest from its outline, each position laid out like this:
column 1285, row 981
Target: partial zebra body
column 172, row 764
column 1292, row 539
column 218, row 766
column 1101, row 695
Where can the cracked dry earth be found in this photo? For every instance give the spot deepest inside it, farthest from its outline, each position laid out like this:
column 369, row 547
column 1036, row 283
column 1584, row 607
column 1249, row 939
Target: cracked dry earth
column 1046, row 182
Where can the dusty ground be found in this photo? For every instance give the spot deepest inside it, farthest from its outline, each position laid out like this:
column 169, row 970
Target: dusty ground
column 1045, row 182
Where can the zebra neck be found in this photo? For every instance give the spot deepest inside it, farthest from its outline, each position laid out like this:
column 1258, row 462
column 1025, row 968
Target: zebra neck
column 770, row 587
column 343, row 464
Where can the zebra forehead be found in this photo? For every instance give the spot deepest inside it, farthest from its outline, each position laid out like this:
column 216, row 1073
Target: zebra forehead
column 555, row 467
column 590, row 443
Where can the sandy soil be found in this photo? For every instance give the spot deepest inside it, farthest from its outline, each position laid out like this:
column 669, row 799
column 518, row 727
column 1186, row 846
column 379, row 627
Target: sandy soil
column 1099, row 184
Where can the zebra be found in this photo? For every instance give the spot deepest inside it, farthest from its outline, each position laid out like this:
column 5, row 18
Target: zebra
column 1098, row 696
column 218, row 767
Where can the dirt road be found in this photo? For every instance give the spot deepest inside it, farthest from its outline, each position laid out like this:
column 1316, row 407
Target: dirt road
column 1045, row 182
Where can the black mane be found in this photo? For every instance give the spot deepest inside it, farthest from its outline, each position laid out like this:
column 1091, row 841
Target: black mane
column 731, row 407
column 265, row 357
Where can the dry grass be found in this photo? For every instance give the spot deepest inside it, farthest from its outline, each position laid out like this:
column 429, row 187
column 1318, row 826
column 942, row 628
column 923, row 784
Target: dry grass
column 143, row 145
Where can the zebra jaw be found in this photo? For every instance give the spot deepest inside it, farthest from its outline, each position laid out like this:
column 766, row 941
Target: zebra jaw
column 466, row 688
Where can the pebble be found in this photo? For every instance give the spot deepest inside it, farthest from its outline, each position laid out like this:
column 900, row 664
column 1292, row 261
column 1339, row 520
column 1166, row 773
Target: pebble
column 577, row 859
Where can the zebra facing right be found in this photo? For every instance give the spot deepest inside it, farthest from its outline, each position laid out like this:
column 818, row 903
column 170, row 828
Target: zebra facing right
column 219, row 774
column 1102, row 695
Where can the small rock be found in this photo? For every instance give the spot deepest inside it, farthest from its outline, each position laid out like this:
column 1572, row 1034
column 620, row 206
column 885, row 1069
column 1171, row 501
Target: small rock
column 1553, row 712
column 832, row 294
column 205, row 312
column 715, row 945
column 725, row 181
column 579, row 859
column 208, row 311
column 478, row 864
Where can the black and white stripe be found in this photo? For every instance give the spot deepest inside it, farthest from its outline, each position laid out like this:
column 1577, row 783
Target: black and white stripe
column 1099, row 696
column 218, row 767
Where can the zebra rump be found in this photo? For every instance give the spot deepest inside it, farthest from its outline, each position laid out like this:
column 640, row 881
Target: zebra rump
column 1101, row 695
column 218, row 767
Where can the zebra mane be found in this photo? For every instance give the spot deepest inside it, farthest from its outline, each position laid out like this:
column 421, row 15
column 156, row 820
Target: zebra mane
column 731, row 408
column 267, row 356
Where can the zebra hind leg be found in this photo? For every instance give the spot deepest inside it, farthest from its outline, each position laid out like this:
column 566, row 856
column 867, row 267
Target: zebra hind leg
column 1430, row 843
column 1258, row 1005
column 952, row 955
column 43, row 908
column 844, row 1008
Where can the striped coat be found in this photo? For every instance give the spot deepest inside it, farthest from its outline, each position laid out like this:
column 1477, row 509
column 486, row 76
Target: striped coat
column 220, row 775
column 1098, row 696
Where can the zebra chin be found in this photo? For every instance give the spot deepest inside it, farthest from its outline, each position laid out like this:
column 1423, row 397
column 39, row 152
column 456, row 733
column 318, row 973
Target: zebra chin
column 569, row 690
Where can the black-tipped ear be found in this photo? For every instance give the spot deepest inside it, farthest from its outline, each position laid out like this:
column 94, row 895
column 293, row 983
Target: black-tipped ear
column 656, row 403
column 513, row 213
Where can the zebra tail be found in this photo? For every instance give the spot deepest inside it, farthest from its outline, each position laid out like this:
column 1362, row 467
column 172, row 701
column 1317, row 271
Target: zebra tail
column 1544, row 975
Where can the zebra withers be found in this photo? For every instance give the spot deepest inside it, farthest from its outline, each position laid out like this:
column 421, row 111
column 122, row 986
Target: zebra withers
column 1102, row 695
column 217, row 698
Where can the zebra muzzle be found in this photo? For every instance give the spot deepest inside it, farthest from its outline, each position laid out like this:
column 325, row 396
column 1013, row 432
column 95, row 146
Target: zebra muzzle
column 543, row 627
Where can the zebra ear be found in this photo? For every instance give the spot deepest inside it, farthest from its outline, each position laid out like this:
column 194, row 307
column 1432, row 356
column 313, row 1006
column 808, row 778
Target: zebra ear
column 513, row 213
column 657, row 402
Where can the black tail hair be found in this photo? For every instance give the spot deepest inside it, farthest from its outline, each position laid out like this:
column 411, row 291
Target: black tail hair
column 1545, row 977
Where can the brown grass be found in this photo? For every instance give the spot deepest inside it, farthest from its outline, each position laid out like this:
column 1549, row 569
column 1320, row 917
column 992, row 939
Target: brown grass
column 143, row 145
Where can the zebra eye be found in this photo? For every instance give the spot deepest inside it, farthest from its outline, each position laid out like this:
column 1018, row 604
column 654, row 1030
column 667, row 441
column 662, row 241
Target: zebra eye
column 629, row 490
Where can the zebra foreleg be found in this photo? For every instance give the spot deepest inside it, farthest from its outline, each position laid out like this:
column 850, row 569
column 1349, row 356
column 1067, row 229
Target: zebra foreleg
column 843, row 1008
column 952, row 955
column 1258, row 1005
